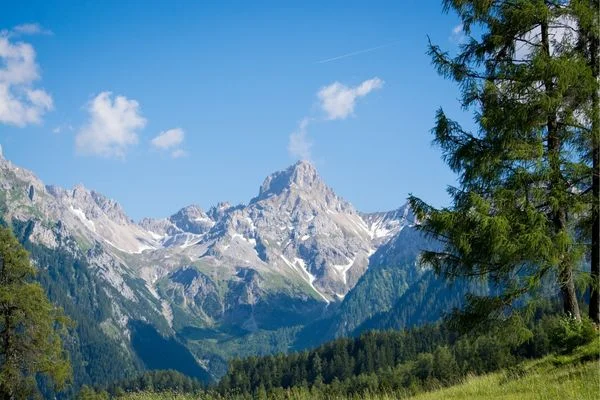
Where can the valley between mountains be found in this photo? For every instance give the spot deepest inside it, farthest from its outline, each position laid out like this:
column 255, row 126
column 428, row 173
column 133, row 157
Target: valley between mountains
column 295, row 266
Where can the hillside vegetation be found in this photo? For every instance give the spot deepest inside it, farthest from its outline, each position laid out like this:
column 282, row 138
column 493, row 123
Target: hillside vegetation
column 554, row 357
column 574, row 376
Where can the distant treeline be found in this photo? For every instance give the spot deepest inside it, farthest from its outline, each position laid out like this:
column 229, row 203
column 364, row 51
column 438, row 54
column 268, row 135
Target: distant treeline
column 407, row 361
column 413, row 360
column 158, row 381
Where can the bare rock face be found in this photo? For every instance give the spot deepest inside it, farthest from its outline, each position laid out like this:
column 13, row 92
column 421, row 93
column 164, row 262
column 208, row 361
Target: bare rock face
column 385, row 225
column 217, row 212
column 192, row 219
column 191, row 288
column 97, row 218
column 302, row 225
column 160, row 227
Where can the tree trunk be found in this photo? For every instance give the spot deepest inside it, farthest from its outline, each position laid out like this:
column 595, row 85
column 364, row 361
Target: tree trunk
column 565, row 276
column 569, row 294
column 559, row 217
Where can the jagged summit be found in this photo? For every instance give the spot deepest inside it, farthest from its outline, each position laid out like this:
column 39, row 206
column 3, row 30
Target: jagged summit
column 302, row 175
column 92, row 203
column 192, row 219
column 217, row 212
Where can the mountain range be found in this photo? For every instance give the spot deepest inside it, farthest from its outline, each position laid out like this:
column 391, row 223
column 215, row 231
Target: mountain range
column 293, row 267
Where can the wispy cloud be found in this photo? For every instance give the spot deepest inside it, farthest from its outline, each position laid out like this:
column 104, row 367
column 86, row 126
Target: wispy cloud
column 355, row 53
column 299, row 145
column 170, row 140
column 337, row 101
column 112, row 127
column 32, row 28
column 21, row 103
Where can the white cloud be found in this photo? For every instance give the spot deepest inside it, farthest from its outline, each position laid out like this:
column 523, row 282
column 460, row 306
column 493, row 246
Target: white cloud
column 458, row 35
column 112, row 128
column 338, row 100
column 30, row 29
column 299, row 145
column 20, row 103
column 168, row 139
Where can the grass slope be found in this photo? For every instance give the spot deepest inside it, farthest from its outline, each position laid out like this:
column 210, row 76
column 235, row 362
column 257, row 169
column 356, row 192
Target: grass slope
column 556, row 377
column 564, row 377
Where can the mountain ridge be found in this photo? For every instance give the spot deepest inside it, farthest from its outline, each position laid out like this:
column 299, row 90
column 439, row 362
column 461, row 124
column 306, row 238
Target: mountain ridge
column 286, row 258
column 295, row 199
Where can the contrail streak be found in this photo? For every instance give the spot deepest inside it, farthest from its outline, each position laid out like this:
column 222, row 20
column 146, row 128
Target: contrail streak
column 354, row 53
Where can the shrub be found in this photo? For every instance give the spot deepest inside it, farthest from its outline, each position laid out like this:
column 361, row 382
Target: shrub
column 568, row 333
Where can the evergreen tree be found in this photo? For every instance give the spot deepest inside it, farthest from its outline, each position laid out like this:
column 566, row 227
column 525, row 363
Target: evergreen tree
column 445, row 368
column 30, row 326
column 594, row 45
column 524, row 174
column 586, row 14
column 88, row 393
column 593, row 27
column 316, row 369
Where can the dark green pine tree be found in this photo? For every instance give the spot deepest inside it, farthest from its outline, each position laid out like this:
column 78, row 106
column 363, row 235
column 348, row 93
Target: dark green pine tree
column 30, row 327
column 587, row 15
column 525, row 172
column 316, row 369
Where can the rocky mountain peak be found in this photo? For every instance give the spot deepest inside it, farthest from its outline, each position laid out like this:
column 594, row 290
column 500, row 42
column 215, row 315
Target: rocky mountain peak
column 192, row 219
column 111, row 208
column 301, row 175
column 93, row 204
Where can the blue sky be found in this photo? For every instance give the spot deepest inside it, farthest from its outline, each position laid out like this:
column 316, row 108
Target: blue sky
column 228, row 84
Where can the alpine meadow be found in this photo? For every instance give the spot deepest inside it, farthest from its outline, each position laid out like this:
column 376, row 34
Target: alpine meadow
column 474, row 125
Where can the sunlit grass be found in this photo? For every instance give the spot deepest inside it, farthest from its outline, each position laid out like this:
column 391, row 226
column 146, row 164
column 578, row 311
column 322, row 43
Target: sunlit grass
column 574, row 376
column 574, row 382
